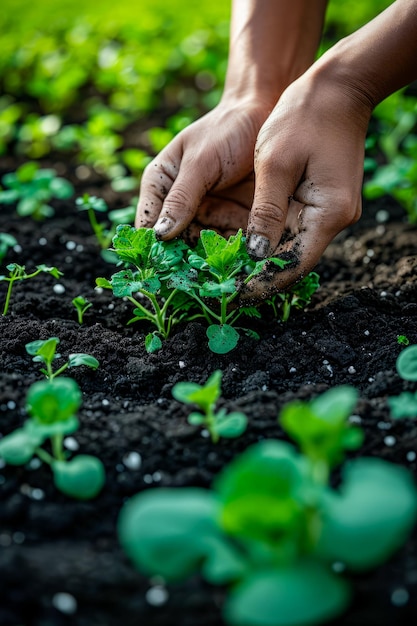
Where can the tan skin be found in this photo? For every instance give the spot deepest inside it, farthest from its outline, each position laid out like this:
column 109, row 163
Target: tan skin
column 289, row 174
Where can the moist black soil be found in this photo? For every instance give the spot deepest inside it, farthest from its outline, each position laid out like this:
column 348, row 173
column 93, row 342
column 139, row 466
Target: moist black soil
column 52, row 545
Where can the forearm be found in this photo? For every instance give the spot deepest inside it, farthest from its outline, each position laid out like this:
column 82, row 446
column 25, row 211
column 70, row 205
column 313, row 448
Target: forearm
column 272, row 42
column 380, row 57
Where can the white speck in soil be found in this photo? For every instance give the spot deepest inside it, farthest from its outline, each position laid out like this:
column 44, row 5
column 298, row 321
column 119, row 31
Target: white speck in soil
column 400, row 597
column 65, row 603
column 18, row 537
column 411, row 456
column 303, row 333
column 37, row 494
column 205, row 433
column 293, row 370
column 181, row 364
column 156, row 477
column 11, row 405
column 371, row 379
column 132, row 460
column 389, row 440
column 366, row 332
column 70, row 443
column 382, row 216
column 397, row 294
column 110, row 306
column 157, row 596
column 331, row 315
column 366, row 260
column 42, row 241
column 82, row 172
column 355, row 419
column 380, row 230
column 79, row 247
column 383, row 294
column 105, row 402
column 59, row 289
column 384, row 425
column 148, row 479
column 338, row 567
column 17, row 248
column 99, row 290
column 70, row 245
column 34, row 463
column 351, row 370
column 370, row 252
column 68, row 259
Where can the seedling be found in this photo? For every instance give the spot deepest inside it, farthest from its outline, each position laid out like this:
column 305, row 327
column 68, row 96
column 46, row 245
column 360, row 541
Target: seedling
column 18, row 272
column 403, row 340
column 153, row 262
column 33, row 188
column 220, row 423
column 298, row 296
column 272, row 525
column 81, row 306
column 6, row 241
column 44, row 351
column 52, row 406
column 405, row 405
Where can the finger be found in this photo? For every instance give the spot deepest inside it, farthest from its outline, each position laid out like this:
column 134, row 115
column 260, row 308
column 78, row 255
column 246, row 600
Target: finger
column 196, row 176
column 158, row 178
column 317, row 228
column 276, row 179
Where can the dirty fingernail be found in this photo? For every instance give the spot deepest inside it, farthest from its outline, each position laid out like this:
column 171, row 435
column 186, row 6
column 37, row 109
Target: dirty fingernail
column 258, row 246
column 163, row 226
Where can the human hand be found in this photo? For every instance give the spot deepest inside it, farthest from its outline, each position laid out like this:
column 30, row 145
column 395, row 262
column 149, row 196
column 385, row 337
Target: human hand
column 308, row 169
column 204, row 177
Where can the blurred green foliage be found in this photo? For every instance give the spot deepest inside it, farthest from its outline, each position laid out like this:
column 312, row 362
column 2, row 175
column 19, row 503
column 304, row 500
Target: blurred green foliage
column 109, row 84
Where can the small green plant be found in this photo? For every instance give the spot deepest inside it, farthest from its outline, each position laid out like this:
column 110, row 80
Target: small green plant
column 104, row 232
column 52, row 406
column 405, row 405
column 153, row 262
column 403, row 340
column 220, row 423
column 6, row 241
column 33, row 188
column 272, row 525
column 18, row 272
column 44, row 351
column 298, row 296
column 81, row 305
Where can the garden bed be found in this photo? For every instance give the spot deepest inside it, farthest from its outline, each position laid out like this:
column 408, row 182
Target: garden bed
column 60, row 561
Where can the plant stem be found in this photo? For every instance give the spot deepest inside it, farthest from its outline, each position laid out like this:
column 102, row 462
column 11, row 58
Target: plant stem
column 59, row 371
column 56, row 441
column 44, row 456
column 8, row 294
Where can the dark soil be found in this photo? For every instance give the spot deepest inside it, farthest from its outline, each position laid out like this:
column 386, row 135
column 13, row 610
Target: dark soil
column 52, row 545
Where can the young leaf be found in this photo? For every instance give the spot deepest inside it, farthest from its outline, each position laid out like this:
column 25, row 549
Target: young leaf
column 54, row 401
column 79, row 358
column 222, row 338
column 231, row 425
column 153, row 343
column 407, row 363
column 404, row 405
column 43, row 350
column 204, row 396
column 83, row 477
column 18, row 447
column 134, row 245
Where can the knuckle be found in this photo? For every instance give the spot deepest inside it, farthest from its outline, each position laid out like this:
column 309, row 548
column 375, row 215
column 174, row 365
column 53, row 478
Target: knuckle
column 266, row 214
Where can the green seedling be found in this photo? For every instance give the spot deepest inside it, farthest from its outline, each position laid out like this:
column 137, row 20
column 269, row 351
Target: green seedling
column 81, row 306
column 405, row 405
column 18, row 272
column 402, row 340
column 297, row 297
column 44, row 351
column 153, row 263
column 52, row 406
column 33, row 188
column 213, row 275
column 272, row 525
column 220, row 423
column 6, row 241
column 104, row 232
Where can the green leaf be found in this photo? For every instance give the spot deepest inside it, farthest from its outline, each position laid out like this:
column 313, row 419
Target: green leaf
column 211, row 289
column 78, row 358
column 153, row 343
column 134, row 245
column 301, row 594
column 407, row 363
column 54, row 400
column 269, row 476
column 184, row 279
column 103, row 283
column 222, row 254
column 404, row 405
column 125, row 283
column 204, row 396
column 222, row 338
column 196, row 419
column 371, row 517
column 61, row 188
column 45, row 350
column 169, row 532
column 231, row 425
column 83, row 477
column 18, row 447
column 45, row 430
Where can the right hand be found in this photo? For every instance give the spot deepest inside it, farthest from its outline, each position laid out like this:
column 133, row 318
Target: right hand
column 205, row 172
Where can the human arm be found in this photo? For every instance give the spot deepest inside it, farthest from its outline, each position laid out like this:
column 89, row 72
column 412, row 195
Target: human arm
column 309, row 154
column 208, row 166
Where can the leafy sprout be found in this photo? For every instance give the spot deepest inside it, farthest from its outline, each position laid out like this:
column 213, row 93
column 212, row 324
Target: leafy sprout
column 220, row 423
column 405, row 404
column 33, row 188
column 18, row 272
column 52, row 406
column 6, row 241
column 44, row 351
column 81, row 305
column 272, row 524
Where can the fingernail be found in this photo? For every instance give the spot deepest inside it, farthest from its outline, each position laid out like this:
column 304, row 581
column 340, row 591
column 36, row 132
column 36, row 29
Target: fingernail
column 163, row 226
column 258, row 246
